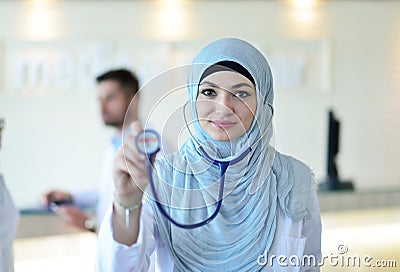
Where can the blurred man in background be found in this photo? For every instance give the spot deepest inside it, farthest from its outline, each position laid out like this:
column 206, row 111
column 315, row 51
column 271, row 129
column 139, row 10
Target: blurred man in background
column 8, row 222
column 115, row 90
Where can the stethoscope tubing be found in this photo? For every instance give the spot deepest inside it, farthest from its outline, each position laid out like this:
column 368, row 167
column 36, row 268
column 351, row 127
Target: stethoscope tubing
column 222, row 169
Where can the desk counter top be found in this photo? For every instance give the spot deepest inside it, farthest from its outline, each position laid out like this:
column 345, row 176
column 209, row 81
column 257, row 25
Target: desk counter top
column 372, row 232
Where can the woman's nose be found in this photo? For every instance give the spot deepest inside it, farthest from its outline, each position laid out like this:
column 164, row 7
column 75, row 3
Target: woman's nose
column 224, row 104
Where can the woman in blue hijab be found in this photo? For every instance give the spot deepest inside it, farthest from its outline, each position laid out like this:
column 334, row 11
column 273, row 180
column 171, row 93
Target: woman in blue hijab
column 269, row 219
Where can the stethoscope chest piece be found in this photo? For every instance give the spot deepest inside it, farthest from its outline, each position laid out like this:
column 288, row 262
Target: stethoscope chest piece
column 148, row 142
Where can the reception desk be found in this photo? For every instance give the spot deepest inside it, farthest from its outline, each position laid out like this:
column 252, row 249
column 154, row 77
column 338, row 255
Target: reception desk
column 360, row 199
column 364, row 224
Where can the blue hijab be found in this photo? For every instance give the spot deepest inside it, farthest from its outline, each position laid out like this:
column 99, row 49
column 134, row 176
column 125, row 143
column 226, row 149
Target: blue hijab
column 255, row 187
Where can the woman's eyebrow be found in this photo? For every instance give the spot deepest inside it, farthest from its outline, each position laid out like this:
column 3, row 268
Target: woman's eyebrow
column 239, row 85
column 209, row 83
column 236, row 86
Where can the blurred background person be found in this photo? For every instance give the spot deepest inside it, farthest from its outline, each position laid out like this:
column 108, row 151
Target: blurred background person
column 115, row 90
column 8, row 222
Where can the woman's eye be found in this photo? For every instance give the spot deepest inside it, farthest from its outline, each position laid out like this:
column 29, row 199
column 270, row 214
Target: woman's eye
column 208, row 92
column 241, row 94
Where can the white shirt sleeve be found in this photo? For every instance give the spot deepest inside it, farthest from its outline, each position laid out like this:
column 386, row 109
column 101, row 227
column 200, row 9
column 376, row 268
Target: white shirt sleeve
column 8, row 225
column 113, row 256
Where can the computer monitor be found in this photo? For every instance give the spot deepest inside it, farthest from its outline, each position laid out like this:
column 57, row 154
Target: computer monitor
column 333, row 145
column 332, row 180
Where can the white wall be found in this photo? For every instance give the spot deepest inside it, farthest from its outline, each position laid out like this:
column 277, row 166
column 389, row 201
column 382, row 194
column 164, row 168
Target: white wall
column 54, row 136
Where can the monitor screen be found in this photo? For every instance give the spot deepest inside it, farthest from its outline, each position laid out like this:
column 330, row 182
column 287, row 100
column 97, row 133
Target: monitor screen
column 333, row 144
column 332, row 180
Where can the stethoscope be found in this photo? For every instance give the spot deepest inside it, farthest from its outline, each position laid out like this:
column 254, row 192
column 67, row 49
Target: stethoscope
column 148, row 142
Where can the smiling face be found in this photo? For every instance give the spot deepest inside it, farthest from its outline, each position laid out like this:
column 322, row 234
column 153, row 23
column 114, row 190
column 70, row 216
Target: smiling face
column 225, row 105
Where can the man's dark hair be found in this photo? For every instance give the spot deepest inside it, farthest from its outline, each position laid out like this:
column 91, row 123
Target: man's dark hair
column 126, row 79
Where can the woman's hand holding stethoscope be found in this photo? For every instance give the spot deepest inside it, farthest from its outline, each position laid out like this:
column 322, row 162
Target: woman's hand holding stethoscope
column 130, row 180
column 133, row 171
column 130, row 173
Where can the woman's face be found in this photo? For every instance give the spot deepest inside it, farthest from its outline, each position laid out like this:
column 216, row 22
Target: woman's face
column 225, row 105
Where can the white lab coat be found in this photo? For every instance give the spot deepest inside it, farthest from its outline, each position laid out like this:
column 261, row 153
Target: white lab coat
column 8, row 225
column 298, row 238
column 100, row 197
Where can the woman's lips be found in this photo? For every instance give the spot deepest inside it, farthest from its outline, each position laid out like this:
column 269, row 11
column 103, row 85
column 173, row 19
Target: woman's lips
column 223, row 124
